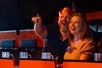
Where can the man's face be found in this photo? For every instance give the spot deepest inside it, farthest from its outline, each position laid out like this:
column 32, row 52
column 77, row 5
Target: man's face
column 63, row 20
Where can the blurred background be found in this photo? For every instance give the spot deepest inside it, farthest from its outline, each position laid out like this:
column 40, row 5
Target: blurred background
column 16, row 14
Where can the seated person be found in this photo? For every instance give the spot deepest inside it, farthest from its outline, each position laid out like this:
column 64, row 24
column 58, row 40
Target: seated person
column 56, row 34
column 81, row 43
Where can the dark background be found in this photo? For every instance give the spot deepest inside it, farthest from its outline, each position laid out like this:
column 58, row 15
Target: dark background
column 16, row 14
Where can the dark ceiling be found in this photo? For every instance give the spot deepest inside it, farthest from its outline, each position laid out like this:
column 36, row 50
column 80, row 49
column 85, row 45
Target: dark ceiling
column 88, row 5
column 16, row 14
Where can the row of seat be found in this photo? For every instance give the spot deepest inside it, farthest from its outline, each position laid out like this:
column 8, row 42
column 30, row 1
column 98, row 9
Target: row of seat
column 25, row 43
column 97, row 33
column 9, row 63
column 8, row 49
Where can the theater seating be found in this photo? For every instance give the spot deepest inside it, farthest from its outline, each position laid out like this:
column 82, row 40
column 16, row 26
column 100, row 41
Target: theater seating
column 28, row 43
column 8, row 43
column 27, row 48
column 97, row 35
column 7, row 46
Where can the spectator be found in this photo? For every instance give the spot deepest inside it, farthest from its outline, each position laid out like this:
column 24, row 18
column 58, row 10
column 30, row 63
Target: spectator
column 56, row 34
column 81, row 43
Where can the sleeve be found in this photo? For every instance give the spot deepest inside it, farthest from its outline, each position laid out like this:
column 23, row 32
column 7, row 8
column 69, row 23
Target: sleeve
column 61, row 53
column 88, row 47
column 50, row 29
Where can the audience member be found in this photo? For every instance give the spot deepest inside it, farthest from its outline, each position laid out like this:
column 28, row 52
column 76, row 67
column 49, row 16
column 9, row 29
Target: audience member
column 56, row 34
column 81, row 43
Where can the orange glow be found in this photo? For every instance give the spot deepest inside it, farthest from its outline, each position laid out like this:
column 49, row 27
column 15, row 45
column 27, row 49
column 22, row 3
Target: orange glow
column 4, row 63
column 94, row 15
column 36, row 64
column 82, row 65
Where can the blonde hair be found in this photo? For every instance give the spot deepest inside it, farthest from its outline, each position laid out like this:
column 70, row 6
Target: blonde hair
column 86, row 31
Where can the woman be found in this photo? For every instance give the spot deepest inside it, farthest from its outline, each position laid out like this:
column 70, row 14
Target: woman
column 81, row 46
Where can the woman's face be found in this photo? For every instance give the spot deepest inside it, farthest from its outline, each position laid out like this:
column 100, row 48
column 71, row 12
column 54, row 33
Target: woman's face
column 75, row 25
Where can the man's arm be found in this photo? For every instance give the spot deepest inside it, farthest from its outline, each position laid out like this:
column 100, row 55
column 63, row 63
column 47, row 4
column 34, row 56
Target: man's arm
column 39, row 27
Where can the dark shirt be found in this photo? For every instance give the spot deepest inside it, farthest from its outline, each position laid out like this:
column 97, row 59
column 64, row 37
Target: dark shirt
column 54, row 43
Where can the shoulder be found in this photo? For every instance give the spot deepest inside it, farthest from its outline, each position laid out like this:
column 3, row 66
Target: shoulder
column 88, row 43
column 88, row 40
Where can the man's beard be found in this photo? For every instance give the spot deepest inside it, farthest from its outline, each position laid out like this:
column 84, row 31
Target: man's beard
column 64, row 28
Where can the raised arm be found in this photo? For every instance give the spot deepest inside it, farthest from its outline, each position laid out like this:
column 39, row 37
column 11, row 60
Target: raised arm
column 39, row 28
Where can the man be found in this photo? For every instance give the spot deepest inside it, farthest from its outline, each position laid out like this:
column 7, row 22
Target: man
column 56, row 34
